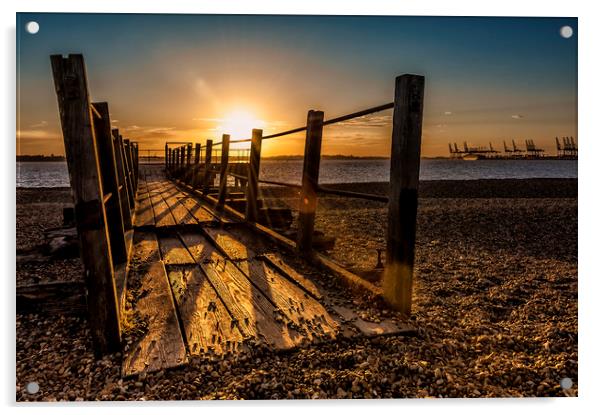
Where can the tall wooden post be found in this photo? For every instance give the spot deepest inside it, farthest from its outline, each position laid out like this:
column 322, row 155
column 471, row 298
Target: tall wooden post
column 127, row 171
column 195, row 169
column 130, row 163
column 223, row 172
column 182, row 161
column 208, row 165
column 403, row 191
column 82, row 158
column 134, row 156
column 309, row 181
column 188, row 171
column 110, row 184
column 166, row 157
column 123, row 187
column 251, row 210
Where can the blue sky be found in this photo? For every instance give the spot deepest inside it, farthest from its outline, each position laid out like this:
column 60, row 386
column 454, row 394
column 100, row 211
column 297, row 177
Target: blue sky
column 195, row 77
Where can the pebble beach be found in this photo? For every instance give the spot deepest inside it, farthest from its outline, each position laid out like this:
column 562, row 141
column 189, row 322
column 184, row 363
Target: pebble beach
column 495, row 305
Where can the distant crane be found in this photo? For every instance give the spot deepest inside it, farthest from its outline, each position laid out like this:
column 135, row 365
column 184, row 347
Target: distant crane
column 532, row 150
column 568, row 149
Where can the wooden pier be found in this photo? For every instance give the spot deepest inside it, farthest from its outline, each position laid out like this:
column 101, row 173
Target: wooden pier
column 193, row 265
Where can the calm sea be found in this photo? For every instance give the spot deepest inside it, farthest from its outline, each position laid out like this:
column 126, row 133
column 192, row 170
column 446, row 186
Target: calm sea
column 54, row 174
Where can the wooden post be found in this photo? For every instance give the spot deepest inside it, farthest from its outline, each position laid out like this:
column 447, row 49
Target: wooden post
column 188, row 171
column 177, row 159
column 134, row 159
column 130, row 165
column 82, row 158
column 126, row 169
column 196, row 167
column 309, row 181
column 403, row 191
column 208, row 165
column 110, row 183
column 123, row 187
column 182, row 161
column 251, row 211
column 166, row 157
column 223, row 172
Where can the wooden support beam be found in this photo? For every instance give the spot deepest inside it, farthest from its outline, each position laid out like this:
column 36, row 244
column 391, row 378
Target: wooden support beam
column 251, row 210
column 188, row 171
column 82, row 159
column 207, row 172
column 182, row 160
column 126, row 170
column 110, row 182
column 166, row 157
column 309, row 181
column 130, row 164
column 403, row 191
column 223, row 173
column 126, row 213
column 196, row 167
column 134, row 158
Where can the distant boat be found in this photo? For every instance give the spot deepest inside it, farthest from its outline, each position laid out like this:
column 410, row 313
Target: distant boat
column 471, row 157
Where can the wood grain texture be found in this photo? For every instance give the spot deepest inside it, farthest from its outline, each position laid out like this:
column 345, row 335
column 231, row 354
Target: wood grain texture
column 403, row 191
column 309, row 181
column 163, row 216
column 208, row 326
column 161, row 346
column 84, row 172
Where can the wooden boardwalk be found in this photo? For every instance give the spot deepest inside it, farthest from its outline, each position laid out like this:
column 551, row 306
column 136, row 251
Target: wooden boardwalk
column 207, row 286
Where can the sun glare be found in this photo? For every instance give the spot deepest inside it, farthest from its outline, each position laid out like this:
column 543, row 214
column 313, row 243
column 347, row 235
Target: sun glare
column 239, row 124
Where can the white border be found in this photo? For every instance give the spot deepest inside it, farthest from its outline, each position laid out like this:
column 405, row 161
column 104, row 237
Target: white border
column 590, row 231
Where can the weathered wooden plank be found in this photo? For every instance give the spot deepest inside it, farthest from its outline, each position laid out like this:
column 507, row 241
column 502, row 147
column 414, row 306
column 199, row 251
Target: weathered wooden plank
column 110, row 182
column 208, row 326
column 144, row 211
column 173, row 251
column 82, row 159
column 256, row 315
column 296, row 305
column 233, row 247
column 163, row 216
column 161, row 346
column 251, row 210
column 144, row 250
column 277, row 262
column 197, row 210
column 181, row 215
column 309, row 181
column 291, row 301
column 403, row 191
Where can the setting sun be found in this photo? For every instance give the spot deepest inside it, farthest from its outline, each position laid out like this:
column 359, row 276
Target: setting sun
column 239, row 124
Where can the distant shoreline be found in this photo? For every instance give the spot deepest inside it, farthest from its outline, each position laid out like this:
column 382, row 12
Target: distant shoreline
column 40, row 158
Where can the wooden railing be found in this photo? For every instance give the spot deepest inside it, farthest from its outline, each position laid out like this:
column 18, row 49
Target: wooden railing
column 103, row 170
column 403, row 184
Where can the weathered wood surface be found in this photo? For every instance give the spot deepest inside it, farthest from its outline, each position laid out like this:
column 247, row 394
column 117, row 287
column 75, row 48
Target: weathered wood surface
column 309, row 181
column 208, row 325
column 403, row 191
column 162, row 345
column 53, row 297
column 82, row 158
column 231, row 290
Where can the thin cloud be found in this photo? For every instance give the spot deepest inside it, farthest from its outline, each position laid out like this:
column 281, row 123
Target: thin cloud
column 517, row 116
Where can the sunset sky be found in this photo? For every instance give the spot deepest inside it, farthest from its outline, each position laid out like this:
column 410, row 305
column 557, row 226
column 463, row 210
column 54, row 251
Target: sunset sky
column 194, row 77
